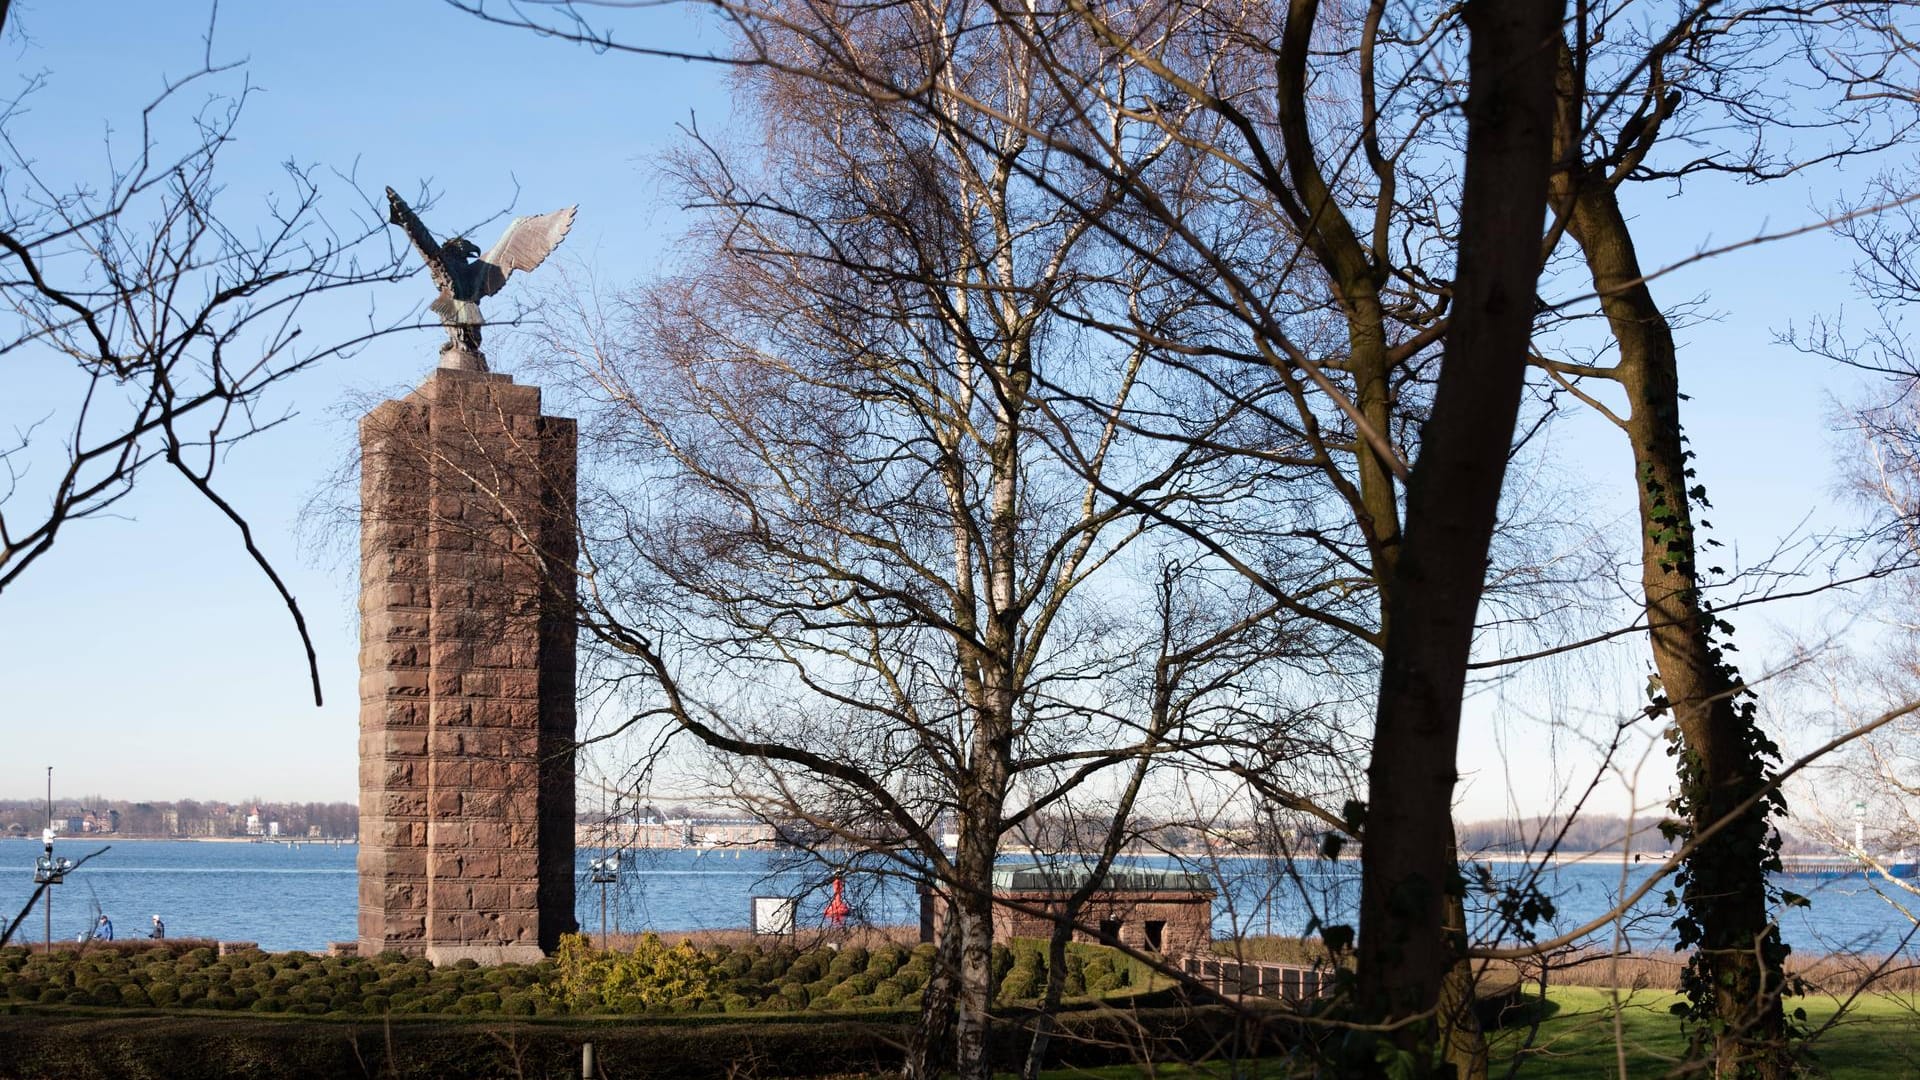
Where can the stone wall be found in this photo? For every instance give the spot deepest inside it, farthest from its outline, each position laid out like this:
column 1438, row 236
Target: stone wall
column 467, row 672
column 1184, row 918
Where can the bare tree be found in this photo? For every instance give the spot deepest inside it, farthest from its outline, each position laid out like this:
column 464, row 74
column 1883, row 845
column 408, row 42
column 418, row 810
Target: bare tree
column 1321, row 339
column 162, row 321
column 851, row 534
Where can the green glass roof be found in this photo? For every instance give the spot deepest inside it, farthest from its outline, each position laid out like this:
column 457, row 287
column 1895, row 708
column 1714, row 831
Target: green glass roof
column 1035, row 877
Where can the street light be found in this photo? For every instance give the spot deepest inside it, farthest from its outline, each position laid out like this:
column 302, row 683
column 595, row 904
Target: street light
column 606, row 871
column 49, row 871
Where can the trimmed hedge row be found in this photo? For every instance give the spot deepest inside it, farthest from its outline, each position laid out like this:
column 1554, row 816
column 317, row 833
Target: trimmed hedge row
column 44, row 1044
column 652, row 979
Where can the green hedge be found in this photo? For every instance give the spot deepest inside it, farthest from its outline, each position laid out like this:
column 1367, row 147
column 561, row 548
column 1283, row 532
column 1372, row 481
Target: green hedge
column 653, row 978
column 40, row 1044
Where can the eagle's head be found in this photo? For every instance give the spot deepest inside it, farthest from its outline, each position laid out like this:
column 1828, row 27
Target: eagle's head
column 460, row 247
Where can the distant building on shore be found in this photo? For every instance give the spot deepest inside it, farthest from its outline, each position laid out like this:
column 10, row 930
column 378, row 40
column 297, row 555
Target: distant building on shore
column 647, row 830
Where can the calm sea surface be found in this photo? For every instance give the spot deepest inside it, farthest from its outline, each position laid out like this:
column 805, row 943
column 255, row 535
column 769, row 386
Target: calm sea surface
column 303, row 897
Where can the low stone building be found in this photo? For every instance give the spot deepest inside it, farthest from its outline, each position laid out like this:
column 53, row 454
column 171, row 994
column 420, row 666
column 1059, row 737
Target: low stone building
column 1152, row 910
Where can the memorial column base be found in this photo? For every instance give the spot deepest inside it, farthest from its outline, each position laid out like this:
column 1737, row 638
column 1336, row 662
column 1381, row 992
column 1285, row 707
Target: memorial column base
column 466, row 673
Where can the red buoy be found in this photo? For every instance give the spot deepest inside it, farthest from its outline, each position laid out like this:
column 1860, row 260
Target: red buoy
column 837, row 908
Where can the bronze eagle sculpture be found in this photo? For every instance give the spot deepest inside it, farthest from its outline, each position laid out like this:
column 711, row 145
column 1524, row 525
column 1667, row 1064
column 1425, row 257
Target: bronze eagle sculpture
column 465, row 280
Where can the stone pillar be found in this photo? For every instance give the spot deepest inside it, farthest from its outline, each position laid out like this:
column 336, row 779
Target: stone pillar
column 466, row 672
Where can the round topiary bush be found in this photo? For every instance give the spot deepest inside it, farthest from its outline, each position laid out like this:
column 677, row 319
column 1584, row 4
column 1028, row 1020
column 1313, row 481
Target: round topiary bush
column 482, row 1004
column 1021, row 984
column 847, row 961
column 884, row 962
column 909, row 978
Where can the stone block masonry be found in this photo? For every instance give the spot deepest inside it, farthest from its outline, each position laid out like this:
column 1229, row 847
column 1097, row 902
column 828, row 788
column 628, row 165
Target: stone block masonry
column 466, row 672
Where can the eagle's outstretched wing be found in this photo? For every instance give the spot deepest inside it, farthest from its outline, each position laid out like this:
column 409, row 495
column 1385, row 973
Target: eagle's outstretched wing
column 399, row 213
column 526, row 244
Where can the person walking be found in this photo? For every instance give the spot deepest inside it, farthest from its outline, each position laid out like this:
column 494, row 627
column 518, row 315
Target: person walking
column 159, row 931
column 103, row 930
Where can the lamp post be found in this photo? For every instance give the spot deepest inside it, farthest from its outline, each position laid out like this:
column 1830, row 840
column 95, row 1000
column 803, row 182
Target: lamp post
column 49, row 871
column 606, row 871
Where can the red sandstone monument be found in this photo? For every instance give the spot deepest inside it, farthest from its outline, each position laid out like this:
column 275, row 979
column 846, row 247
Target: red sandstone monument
column 467, row 642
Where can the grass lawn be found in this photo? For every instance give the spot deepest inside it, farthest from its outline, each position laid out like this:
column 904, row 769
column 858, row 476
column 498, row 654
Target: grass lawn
column 1878, row 1039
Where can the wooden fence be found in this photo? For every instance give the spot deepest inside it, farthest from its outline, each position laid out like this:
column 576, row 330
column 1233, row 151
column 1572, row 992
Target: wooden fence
column 1259, row 978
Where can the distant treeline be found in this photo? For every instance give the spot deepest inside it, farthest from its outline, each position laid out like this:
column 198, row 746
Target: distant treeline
column 98, row 815
column 1595, row 833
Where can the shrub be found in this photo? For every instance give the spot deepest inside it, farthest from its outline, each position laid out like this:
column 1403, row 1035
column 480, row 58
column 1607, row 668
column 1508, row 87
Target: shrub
column 909, row 979
column 477, row 1004
column 1021, row 984
column 847, row 961
column 885, row 961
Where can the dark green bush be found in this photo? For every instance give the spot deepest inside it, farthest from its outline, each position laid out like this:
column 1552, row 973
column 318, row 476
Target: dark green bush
column 477, row 1004
column 847, row 961
column 885, row 961
column 754, row 978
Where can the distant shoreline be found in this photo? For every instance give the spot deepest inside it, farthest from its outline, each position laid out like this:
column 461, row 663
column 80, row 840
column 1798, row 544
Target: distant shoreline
column 116, row 838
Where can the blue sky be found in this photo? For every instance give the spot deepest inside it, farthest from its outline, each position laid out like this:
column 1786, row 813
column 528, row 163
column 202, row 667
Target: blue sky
column 144, row 658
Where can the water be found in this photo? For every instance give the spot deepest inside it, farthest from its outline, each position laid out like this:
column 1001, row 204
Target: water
column 303, row 897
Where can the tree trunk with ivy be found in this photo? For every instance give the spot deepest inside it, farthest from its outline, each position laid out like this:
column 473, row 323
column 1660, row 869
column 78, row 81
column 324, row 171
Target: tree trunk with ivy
column 1735, row 977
